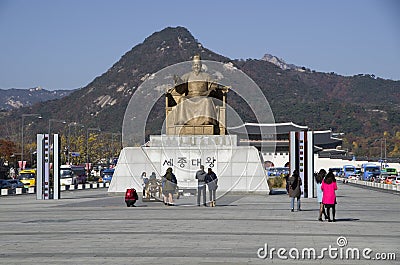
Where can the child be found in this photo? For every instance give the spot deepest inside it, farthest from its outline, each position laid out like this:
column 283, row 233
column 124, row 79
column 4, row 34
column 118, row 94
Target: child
column 319, row 178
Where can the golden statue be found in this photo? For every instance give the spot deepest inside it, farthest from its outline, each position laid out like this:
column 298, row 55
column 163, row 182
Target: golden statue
column 193, row 95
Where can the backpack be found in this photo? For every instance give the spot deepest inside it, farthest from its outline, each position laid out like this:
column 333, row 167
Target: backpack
column 173, row 180
column 211, row 177
column 294, row 185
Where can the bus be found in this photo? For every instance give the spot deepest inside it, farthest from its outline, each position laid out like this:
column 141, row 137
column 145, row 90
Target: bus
column 370, row 170
column 72, row 175
column 390, row 171
column 348, row 170
column 28, row 177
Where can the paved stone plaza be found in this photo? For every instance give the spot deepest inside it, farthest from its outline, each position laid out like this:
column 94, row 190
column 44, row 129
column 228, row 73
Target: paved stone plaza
column 91, row 227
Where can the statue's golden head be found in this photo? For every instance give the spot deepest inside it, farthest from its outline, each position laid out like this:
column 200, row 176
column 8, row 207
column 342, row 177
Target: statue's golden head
column 196, row 65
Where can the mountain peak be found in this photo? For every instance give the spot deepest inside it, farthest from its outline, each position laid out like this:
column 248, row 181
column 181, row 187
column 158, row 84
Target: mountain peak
column 163, row 48
column 281, row 63
column 177, row 37
column 171, row 32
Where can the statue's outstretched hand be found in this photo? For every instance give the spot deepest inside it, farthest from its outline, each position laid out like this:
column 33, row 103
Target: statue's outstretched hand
column 225, row 88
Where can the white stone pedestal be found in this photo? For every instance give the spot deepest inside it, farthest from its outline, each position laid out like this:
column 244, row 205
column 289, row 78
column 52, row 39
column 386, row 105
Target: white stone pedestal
column 239, row 168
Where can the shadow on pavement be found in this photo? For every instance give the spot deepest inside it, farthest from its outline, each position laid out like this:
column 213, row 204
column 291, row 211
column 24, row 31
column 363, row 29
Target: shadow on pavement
column 347, row 219
column 278, row 192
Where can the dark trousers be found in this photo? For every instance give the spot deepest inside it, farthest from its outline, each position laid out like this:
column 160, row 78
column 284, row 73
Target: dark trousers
column 328, row 209
column 201, row 188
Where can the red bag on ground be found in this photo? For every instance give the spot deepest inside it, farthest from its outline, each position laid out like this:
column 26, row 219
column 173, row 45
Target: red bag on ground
column 131, row 197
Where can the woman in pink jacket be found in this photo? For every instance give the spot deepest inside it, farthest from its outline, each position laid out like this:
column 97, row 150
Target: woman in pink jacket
column 328, row 188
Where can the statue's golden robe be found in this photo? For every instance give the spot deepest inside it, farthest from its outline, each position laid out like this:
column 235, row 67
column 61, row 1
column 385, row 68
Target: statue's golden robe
column 195, row 107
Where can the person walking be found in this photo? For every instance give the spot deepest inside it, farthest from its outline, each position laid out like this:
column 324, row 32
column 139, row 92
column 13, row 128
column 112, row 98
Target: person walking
column 319, row 178
column 12, row 173
column 169, row 187
column 328, row 188
column 201, row 185
column 294, row 189
column 153, row 187
column 212, row 183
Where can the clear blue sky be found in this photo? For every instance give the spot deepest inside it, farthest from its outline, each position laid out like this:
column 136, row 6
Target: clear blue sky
column 65, row 44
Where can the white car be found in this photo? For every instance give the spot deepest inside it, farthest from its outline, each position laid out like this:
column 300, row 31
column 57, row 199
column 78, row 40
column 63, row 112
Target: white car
column 354, row 177
column 396, row 180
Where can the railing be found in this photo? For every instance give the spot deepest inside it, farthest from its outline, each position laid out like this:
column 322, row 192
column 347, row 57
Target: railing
column 32, row 190
column 390, row 187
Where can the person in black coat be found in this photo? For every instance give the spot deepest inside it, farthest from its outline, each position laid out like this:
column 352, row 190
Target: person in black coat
column 295, row 189
column 212, row 183
column 169, row 187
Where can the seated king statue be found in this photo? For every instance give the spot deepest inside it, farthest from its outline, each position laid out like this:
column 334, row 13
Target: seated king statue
column 195, row 107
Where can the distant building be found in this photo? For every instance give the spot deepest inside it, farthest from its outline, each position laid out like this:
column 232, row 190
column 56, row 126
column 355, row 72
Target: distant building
column 327, row 152
column 250, row 134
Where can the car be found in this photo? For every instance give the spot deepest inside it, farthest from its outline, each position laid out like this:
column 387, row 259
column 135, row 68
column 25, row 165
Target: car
column 16, row 183
column 28, row 177
column 396, row 181
column 4, row 184
column 277, row 171
column 354, row 176
column 389, row 179
column 381, row 179
column 107, row 175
